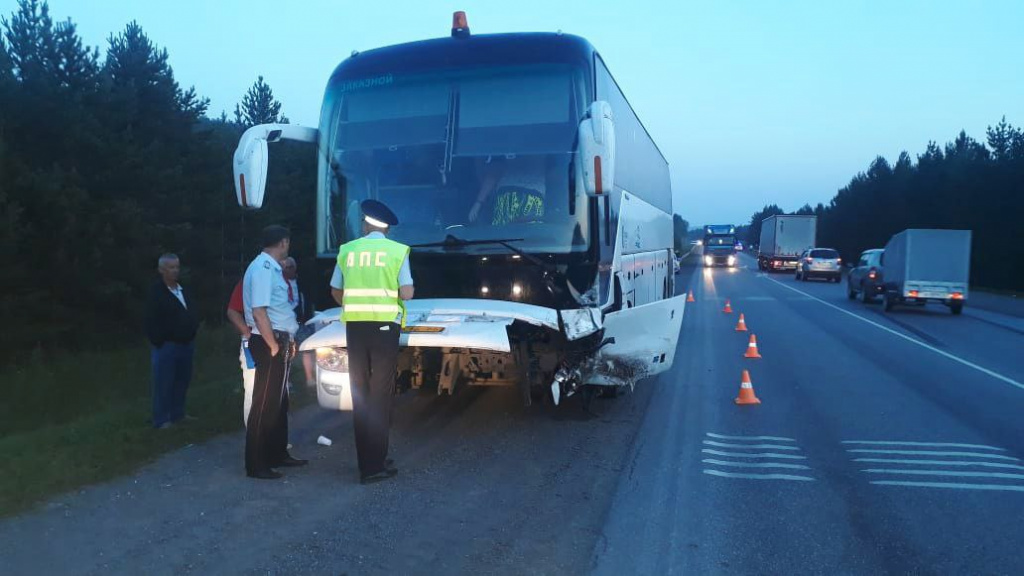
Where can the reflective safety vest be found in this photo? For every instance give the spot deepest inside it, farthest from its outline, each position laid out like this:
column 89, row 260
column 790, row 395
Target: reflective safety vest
column 513, row 204
column 370, row 269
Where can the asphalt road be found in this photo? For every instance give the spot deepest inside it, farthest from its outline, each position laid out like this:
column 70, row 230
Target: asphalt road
column 883, row 444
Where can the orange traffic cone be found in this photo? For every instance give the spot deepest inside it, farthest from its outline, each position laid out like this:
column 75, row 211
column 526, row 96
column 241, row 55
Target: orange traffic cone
column 746, row 391
column 752, row 348
column 741, row 326
column 728, row 308
column 690, row 297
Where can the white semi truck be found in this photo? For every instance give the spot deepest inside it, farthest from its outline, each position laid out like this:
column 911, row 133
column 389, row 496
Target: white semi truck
column 577, row 296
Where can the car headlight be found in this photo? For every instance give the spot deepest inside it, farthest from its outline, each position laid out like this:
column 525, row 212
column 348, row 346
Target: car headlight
column 333, row 359
column 732, row 260
column 708, row 260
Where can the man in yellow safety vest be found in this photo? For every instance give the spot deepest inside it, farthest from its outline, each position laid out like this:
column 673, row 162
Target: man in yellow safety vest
column 371, row 282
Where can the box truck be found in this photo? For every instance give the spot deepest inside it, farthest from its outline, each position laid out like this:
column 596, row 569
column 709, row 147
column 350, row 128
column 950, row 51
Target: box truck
column 783, row 238
column 921, row 266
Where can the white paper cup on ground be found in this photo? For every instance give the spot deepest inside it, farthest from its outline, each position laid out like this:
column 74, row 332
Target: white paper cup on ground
column 323, row 441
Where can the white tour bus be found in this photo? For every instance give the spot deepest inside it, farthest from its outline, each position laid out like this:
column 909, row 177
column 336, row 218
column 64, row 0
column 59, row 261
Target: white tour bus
column 562, row 280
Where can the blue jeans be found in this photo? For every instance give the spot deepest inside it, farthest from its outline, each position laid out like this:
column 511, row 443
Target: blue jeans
column 172, row 372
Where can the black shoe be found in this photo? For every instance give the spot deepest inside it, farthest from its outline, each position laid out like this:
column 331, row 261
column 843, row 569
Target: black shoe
column 265, row 475
column 290, row 462
column 379, row 476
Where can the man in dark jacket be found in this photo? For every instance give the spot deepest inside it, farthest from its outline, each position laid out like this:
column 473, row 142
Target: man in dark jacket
column 171, row 326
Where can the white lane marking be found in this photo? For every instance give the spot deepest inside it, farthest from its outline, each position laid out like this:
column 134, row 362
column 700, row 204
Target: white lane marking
column 748, row 446
column 755, row 464
column 953, row 485
column 936, row 444
column 723, row 437
column 939, row 463
column 758, row 476
column 933, row 453
column 759, row 455
column 955, row 358
column 958, row 473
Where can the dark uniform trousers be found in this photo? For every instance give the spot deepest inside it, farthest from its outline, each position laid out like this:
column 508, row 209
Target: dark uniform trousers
column 372, row 362
column 266, row 435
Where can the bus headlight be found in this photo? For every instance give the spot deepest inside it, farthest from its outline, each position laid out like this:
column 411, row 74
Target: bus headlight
column 709, row 261
column 333, row 359
column 732, row 260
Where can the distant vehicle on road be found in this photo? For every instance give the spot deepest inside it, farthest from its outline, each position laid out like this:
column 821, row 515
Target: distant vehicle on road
column 720, row 245
column 865, row 279
column 820, row 263
column 783, row 238
column 924, row 266
column 739, row 246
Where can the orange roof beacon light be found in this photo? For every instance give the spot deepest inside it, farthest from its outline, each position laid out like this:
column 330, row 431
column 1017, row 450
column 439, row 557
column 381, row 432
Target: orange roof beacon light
column 460, row 26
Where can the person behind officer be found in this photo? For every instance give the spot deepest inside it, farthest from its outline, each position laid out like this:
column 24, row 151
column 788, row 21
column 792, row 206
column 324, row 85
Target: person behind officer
column 371, row 282
column 303, row 313
column 236, row 315
column 272, row 320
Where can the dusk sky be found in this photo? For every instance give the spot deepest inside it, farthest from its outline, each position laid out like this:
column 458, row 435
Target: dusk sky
column 751, row 102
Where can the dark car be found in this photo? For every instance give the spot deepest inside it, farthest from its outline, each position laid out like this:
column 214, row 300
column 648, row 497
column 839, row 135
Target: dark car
column 866, row 278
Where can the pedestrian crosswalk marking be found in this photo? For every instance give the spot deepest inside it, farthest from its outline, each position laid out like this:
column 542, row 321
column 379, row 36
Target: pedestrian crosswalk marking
column 747, row 455
column 934, row 444
column 927, row 462
column 766, row 461
column 749, row 446
column 724, row 437
column 958, row 473
column 755, row 464
column 956, row 485
column 940, row 462
column 933, row 453
column 757, row 476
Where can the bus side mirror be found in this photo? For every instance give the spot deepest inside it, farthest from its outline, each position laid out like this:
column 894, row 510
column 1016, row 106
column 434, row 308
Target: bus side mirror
column 250, row 167
column 251, row 158
column 597, row 149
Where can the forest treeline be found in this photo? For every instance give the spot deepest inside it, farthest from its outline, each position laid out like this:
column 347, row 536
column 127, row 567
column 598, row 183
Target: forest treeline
column 106, row 162
column 965, row 184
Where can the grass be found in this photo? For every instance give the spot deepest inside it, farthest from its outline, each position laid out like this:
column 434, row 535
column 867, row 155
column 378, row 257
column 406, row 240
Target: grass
column 76, row 419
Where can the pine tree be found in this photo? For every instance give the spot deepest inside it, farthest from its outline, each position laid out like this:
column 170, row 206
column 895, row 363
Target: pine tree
column 30, row 38
column 6, row 66
column 1000, row 139
column 259, row 106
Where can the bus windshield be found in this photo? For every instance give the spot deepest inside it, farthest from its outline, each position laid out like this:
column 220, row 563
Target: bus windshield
column 479, row 153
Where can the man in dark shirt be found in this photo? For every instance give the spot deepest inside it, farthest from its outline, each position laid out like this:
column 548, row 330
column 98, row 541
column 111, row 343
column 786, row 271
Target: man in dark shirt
column 171, row 326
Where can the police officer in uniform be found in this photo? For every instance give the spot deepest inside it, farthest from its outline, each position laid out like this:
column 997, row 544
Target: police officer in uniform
column 372, row 281
column 270, row 316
